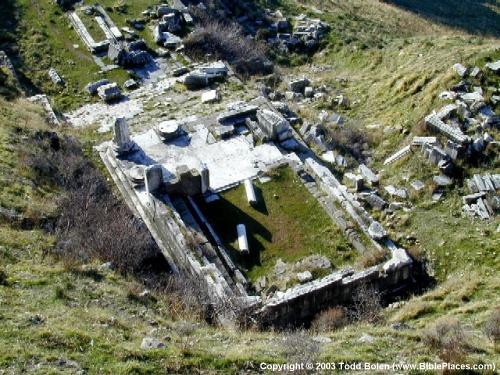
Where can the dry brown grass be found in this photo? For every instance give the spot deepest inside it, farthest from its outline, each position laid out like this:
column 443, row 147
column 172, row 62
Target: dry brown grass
column 330, row 320
column 371, row 258
column 448, row 338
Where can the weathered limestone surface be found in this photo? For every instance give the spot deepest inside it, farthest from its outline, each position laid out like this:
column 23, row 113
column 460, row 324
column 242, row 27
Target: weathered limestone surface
column 452, row 133
column 398, row 155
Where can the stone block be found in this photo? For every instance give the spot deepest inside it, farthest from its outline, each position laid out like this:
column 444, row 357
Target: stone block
column 153, row 178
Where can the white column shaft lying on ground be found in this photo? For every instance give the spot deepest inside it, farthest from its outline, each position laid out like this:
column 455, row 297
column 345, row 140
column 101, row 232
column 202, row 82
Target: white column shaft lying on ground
column 242, row 238
column 251, row 197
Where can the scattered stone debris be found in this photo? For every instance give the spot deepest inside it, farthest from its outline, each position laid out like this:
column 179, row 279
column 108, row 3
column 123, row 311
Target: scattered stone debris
column 131, row 84
column 460, row 69
column 356, row 180
column 494, row 66
column 211, row 96
column 478, row 205
column 205, row 74
column 109, row 92
column 298, row 85
column 442, row 181
column 395, row 192
column 368, row 175
column 377, row 231
column 304, row 277
column 374, row 200
column 305, row 36
column 92, row 87
column 55, row 77
column 486, row 183
column 133, row 54
column 151, row 343
column 417, row 185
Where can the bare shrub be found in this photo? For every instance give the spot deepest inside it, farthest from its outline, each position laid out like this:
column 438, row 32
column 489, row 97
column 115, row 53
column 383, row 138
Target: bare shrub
column 299, row 347
column 226, row 41
column 186, row 297
column 185, row 331
column 350, row 139
column 330, row 320
column 448, row 338
column 367, row 304
column 92, row 222
column 492, row 326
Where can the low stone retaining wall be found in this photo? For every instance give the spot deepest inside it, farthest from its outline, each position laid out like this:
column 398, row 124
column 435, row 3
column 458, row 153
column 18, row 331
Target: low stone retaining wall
column 304, row 301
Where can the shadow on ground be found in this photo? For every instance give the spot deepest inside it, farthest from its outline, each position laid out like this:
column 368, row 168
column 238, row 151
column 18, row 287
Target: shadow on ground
column 473, row 16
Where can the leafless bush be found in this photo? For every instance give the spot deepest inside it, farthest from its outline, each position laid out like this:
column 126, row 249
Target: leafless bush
column 92, row 223
column 367, row 304
column 186, row 297
column 299, row 347
column 185, row 330
column 492, row 326
column 226, row 41
column 330, row 320
column 448, row 337
column 350, row 139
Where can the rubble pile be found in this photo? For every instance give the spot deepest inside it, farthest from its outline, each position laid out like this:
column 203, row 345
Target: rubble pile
column 484, row 202
column 466, row 123
column 304, row 36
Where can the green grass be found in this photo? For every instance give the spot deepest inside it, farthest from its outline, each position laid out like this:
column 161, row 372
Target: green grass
column 121, row 11
column 17, row 192
column 287, row 223
column 45, row 39
column 92, row 26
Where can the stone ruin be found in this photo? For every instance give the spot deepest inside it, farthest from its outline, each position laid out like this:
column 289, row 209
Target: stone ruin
column 464, row 131
column 484, row 202
column 204, row 74
column 129, row 54
column 109, row 92
column 160, row 178
column 119, row 50
column 122, row 144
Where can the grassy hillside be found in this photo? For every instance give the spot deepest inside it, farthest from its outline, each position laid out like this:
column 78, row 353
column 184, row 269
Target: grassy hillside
column 392, row 62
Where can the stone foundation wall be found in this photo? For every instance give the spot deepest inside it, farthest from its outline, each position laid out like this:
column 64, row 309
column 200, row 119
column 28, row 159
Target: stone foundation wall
column 169, row 232
column 304, row 301
column 227, row 295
